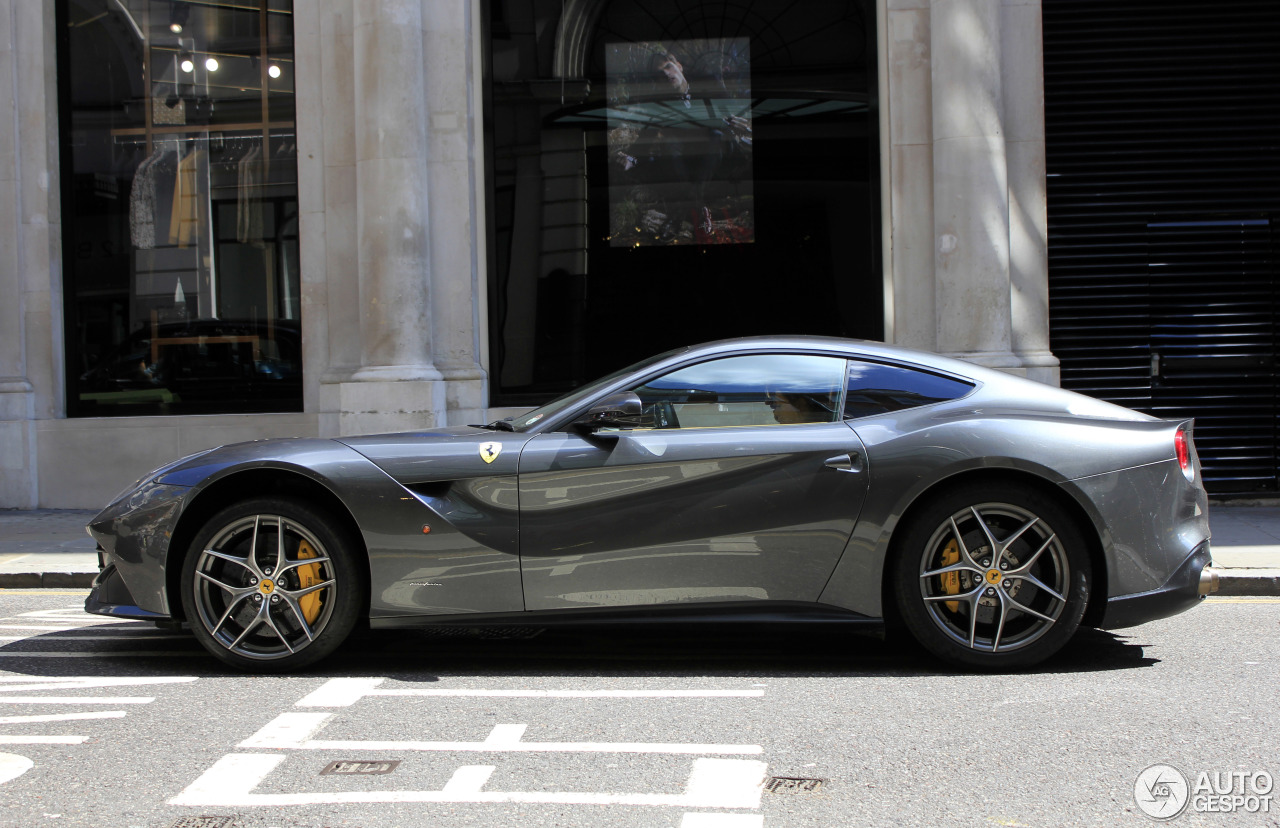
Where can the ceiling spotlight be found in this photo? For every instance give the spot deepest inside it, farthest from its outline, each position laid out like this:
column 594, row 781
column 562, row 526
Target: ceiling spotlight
column 187, row 65
column 273, row 71
column 176, row 28
column 211, row 64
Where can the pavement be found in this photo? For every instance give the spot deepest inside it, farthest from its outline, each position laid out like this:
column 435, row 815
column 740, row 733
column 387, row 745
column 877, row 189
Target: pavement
column 44, row 548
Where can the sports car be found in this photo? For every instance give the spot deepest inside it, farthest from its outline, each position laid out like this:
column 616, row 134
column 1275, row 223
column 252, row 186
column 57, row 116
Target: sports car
column 985, row 515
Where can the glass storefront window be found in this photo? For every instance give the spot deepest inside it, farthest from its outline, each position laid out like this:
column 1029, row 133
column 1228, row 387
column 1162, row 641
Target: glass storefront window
column 665, row 172
column 180, row 207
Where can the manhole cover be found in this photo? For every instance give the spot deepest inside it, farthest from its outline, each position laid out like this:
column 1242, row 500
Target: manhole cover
column 358, row 767
column 791, row 785
column 203, row 822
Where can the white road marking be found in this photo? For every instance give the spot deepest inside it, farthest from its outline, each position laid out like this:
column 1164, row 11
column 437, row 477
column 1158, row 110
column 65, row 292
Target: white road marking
column 344, row 692
column 130, row 638
column 12, row 766
column 77, row 699
column 62, row 717
column 102, row 654
column 43, row 740
column 469, row 779
column 713, row 783
column 75, row 614
column 722, row 821
column 288, row 730
column 27, row 683
column 292, row 731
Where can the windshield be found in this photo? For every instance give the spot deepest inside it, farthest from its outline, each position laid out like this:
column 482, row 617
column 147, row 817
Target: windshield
column 529, row 419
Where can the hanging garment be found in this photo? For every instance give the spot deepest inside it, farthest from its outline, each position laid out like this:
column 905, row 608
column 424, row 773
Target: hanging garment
column 249, row 226
column 142, row 203
column 188, row 202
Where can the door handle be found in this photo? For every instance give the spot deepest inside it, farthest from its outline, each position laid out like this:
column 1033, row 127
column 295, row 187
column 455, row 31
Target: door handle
column 850, row 462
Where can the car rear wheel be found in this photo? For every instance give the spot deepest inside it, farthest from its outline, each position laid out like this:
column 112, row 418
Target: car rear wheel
column 270, row 585
column 993, row 576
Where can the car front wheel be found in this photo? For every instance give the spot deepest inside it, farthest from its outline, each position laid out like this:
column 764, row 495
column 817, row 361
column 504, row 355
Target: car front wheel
column 270, row 584
column 993, row 576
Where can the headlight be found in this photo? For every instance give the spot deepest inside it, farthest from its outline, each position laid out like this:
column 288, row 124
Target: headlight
column 152, row 475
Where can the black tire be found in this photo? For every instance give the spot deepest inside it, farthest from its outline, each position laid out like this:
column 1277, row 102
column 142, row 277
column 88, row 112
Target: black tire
column 1009, row 611
column 272, row 611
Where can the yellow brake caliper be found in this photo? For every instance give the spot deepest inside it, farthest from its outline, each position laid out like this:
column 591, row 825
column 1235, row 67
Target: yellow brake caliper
column 951, row 580
column 309, row 575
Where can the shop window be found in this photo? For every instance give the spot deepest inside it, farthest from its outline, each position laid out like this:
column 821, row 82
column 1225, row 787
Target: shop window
column 180, row 207
column 666, row 172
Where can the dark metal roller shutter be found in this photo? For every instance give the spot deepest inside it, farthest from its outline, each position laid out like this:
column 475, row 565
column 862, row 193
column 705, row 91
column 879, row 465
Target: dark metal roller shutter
column 1163, row 140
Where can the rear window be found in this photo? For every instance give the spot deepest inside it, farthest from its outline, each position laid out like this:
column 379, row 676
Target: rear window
column 874, row 388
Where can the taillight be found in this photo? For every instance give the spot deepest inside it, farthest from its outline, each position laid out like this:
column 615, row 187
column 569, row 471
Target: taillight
column 1182, row 447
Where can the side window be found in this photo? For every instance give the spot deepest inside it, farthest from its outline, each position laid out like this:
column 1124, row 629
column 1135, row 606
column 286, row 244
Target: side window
column 878, row 389
column 765, row 389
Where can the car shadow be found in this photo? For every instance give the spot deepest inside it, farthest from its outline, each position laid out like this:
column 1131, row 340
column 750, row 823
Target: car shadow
column 657, row 651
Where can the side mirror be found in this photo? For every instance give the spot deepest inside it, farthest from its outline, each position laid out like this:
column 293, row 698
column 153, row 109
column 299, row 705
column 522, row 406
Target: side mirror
column 621, row 410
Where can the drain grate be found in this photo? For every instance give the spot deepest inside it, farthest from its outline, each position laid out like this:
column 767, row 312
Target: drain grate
column 791, row 785
column 357, row 767
column 203, row 822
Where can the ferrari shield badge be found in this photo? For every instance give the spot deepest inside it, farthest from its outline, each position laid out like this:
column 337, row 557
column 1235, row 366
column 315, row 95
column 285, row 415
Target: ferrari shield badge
column 490, row 451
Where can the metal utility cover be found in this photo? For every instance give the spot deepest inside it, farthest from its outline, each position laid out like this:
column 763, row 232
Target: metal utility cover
column 360, row 767
column 791, row 785
column 203, row 822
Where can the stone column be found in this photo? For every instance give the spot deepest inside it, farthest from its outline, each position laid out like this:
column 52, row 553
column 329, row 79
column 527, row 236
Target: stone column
column 970, row 184
column 30, row 246
column 908, row 87
column 1022, row 48
column 396, row 385
column 457, row 233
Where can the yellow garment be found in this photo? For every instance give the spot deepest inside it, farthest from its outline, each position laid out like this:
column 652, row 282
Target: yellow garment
column 188, row 204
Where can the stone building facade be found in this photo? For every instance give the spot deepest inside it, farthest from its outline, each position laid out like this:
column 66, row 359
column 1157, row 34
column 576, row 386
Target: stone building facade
column 393, row 250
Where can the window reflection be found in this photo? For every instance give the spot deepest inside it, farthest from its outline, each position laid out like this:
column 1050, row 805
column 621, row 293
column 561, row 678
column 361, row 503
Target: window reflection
column 767, row 389
column 180, row 207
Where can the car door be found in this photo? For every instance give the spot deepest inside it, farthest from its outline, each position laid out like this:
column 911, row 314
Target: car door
column 745, row 486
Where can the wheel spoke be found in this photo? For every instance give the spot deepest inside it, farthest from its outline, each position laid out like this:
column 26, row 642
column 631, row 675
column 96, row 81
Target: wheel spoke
column 1026, row 565
column 986, row 530
column 1004, row 613
column 220, row 585
column 973, row 620
column 298, row 593
column 280, row 558
column 231, row 608
column 965, row 557
column 957, row 567
column 297, row 612
column 247, row 563
column 1028, row 610
column 1007, row 542
column 253, row 545
column 300, row 562
column 959, row 596
column 1042, row 586
column 271, row 622
column 250, row 627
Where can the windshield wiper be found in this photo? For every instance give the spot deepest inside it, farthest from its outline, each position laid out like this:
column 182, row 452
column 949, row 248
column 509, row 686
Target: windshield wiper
column 497, row 425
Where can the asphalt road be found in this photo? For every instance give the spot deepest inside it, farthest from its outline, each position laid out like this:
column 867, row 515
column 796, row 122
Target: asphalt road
column 119, row 724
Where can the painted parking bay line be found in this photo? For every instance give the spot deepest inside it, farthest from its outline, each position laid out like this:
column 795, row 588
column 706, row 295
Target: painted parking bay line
column 344, row 692
column 713, row 783
column 293, row 731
